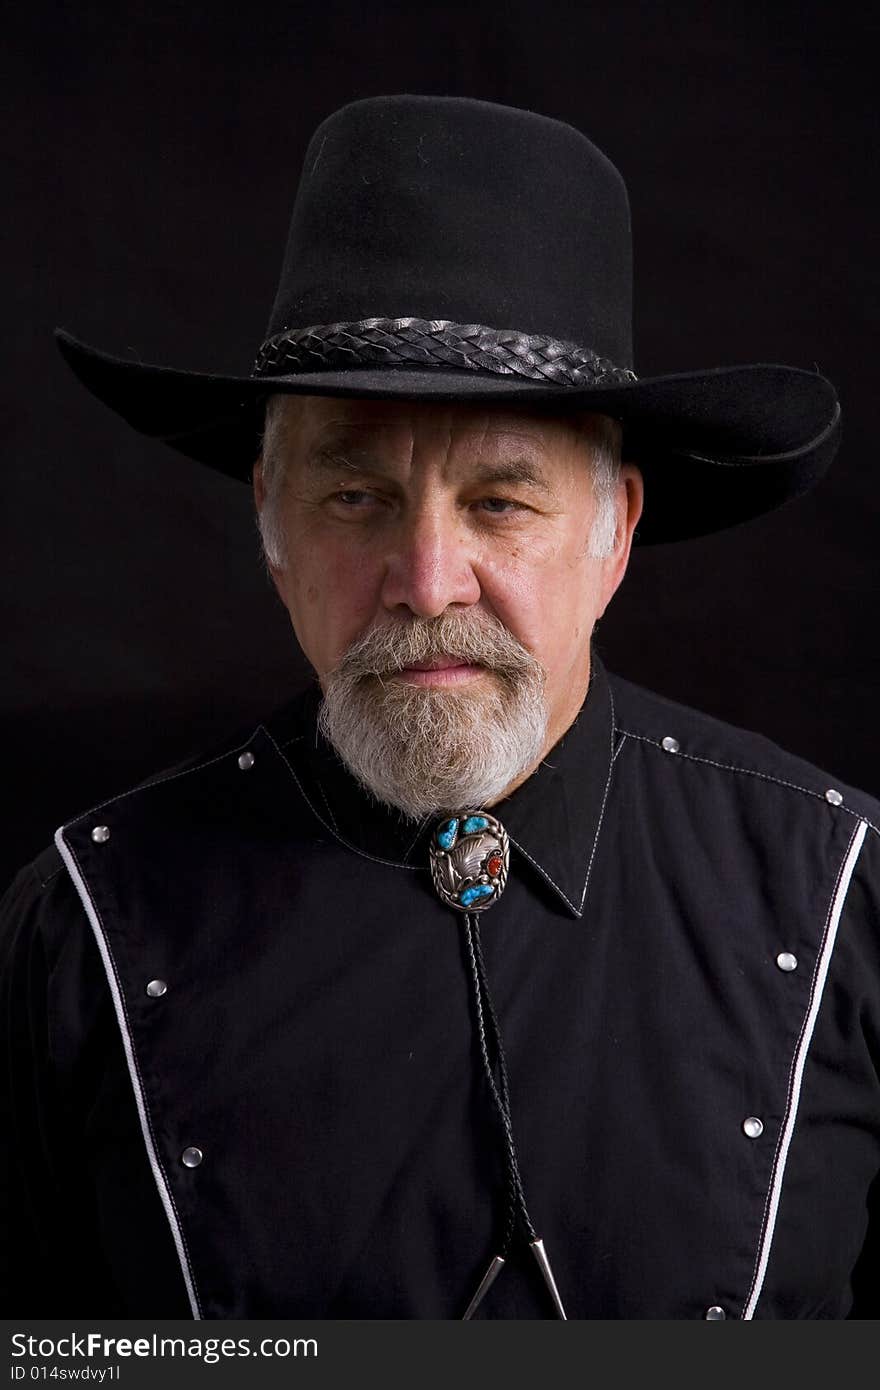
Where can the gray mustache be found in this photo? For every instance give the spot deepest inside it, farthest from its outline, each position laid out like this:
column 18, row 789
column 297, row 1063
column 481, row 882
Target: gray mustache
column 386, row 650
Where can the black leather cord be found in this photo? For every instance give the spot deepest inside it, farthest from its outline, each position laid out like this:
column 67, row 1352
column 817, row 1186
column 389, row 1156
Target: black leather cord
column 485, row 1011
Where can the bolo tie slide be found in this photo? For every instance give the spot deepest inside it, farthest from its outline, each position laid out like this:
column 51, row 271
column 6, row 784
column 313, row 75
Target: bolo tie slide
column 470, row 860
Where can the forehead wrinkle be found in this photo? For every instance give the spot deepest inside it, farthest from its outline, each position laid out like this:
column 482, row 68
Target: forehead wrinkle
column 511, row 471
column 357, row 445
column 484, row 451
column 330, row 458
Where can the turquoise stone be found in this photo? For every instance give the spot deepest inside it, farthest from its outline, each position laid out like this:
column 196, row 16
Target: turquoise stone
column 474, row 823
column 446, row 836
column 479, row 890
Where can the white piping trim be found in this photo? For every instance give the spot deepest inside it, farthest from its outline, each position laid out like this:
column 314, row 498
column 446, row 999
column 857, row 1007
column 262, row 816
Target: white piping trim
column 81, row 886
column 818, row 985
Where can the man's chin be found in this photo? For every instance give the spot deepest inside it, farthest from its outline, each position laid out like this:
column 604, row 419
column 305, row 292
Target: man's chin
column 425, row 745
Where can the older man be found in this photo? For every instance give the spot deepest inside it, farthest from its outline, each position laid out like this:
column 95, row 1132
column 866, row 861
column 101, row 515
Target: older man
column 463, row 554
column 267, row 1057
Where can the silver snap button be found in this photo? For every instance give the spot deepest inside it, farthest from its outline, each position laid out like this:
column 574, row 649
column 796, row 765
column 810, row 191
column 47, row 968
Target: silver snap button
column 753, row 1127
column 786, row 961
column 156, row 988
column 191, row 1158
column 101, row 834
column 245, row 761
column 671, row 745
column 715, row 1314
column 834, row 797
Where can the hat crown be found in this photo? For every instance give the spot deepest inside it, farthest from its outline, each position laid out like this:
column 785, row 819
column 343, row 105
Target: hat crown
column 461, row 210
column 446, row 249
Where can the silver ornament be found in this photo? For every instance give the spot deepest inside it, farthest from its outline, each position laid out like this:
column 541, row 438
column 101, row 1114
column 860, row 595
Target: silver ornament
column 470, row 859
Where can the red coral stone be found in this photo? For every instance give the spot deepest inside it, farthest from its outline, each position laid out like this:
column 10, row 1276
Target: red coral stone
column 493, row 865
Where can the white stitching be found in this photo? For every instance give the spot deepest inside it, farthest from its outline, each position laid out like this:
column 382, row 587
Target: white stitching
column 620, row 745
column 116, row 990
column 544, row 874
column 297, row 738
column 751, row 772
column 796, row 1069
column 159, row 782
column 604, row 799
column 579, row 912
column 421, row 825
column 327, row 804
column 389, row 863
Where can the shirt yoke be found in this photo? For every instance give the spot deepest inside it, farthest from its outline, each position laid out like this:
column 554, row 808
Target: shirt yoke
column 679, row 731
column 673, row 728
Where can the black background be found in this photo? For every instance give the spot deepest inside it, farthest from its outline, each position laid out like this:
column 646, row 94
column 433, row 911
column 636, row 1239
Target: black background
column 153, row 154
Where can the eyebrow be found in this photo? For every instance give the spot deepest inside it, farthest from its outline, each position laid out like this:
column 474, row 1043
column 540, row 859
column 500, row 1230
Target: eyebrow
column 330, row 458
column 516, row 470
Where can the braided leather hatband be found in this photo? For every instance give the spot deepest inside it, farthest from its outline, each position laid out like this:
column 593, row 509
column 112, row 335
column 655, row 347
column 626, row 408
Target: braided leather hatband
column 436, row 343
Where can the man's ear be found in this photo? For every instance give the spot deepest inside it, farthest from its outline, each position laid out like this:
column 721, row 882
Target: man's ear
column 629, row 500
column 631, row 477
column 259, row 503
column 259, row 492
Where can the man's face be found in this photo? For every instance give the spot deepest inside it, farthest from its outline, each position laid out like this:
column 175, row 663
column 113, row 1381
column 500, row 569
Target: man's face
column 398, row 513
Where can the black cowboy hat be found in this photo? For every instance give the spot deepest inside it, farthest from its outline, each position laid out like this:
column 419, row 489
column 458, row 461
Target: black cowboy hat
column 442, row 248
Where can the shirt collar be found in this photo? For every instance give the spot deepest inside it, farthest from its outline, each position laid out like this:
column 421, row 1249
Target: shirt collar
column 553, row 819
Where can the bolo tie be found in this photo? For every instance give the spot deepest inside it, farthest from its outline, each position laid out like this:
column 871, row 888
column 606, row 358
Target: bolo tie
column 470, row 861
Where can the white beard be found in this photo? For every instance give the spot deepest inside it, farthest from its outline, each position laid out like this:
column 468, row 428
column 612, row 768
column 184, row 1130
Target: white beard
column 427, row 749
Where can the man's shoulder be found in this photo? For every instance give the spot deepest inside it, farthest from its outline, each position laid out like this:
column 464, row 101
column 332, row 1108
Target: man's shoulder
column 680, row 730
column 39, row 875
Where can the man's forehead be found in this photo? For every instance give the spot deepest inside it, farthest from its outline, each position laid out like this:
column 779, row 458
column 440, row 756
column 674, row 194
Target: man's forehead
column 319, row 420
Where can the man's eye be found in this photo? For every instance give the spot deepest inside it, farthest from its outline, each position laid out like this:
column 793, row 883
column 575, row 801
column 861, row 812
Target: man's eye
column 353, row 497
column 499, row 506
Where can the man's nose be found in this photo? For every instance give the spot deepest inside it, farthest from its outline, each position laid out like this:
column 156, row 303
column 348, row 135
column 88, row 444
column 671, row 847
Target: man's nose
column 429, row 565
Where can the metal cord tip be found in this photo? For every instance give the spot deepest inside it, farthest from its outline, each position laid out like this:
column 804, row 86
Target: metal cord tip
column 484, row 1286
column 537, row 1248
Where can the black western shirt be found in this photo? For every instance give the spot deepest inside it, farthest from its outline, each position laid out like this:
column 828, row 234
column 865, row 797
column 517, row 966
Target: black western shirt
column 241, row 1076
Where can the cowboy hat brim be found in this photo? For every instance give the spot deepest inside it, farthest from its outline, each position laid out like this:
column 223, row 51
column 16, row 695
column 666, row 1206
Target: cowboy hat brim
column 716, row 447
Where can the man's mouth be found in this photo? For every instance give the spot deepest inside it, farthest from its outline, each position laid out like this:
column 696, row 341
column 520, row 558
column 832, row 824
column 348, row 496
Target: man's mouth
column 440, row 670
